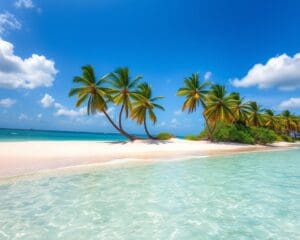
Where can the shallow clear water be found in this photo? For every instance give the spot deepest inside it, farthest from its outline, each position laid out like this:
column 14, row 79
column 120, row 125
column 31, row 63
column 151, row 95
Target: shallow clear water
column 246, row 196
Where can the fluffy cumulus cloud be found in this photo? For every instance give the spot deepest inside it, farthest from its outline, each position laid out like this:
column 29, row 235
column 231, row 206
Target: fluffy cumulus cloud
column 15, row 72
column 48, row 101
column 292, row 103
column 8, row 21
column 282, row 72
column 24, row 4
column 70, row 112
column 7, row 102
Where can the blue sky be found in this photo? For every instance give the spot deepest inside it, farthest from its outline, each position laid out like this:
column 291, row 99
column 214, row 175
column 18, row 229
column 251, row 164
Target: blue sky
column 248, row 46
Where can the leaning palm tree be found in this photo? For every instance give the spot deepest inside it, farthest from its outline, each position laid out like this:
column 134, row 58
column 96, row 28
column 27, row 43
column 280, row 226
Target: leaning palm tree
column 219, row 106
column 144, row 105
column 255, row 117
column 123, row 89
column 241, row 108
column 271, row 120
column 96, row 95
column 195, row 94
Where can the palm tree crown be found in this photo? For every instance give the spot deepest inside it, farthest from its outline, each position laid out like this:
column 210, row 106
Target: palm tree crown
column 144, row 105
column 194, row 91
column 219, row 105
column 255, row 115
column 91, row 90
column 241, row 108
column 123, row 87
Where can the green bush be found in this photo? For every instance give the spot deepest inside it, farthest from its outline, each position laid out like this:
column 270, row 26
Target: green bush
column 284, row 138
column 192, row 137
column 232, row 133
column 263, row 135
column 203, row 135
column 164, row 136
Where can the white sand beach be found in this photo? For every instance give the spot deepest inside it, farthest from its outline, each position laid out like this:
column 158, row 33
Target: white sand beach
column 19, row 158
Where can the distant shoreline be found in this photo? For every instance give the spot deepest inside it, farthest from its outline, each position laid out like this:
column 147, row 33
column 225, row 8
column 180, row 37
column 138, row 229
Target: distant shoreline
column 30, row 157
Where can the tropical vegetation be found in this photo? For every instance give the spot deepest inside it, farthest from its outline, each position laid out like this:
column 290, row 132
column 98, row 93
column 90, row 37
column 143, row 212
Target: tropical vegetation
column 227, row 116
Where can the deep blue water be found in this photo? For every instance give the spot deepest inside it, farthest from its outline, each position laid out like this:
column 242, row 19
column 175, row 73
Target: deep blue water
column 43, row 135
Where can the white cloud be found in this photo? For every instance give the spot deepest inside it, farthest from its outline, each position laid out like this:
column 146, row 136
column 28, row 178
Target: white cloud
column 8, row 20
column 110, row 111
column 47, row 101
column 71, row 112
column 40, row 115
column 24, row 4
column 15, row 72
column 7, row 102
column 23, row 116
column 282, row 72
column 208, row 76
column 292, row 103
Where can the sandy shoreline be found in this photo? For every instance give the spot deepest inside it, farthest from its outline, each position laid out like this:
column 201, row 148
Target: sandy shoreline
column 21, row 158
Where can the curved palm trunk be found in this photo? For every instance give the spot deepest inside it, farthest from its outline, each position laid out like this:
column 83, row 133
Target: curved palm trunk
column 210, row 132
column 120, row 124
column 146, row 130
column 120, row 117
column 131, row 138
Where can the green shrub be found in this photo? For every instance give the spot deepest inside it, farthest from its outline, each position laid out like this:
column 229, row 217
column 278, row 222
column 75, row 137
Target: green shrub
column 284, row 138
column 203, row 135
column 263, row 135
column 232, row 133
column 192, row 137
column 164, row 136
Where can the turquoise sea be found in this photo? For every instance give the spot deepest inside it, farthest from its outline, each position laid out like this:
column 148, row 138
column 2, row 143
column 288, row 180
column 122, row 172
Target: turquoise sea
column 243, row 196
column 44, row 135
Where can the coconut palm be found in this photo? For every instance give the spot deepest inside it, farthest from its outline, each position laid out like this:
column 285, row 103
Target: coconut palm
column 255, row 117
column 270, row 120
column 144, row 106
column 289, row 121
column 123, row 89
column 195, row 93
column 96, row 95
column 241, row 108
column 219, row 106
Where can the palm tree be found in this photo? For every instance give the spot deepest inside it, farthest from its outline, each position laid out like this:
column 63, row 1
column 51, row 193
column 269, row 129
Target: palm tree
column 219, row 106
column 123, row 89
column 255, row 115
column 289, row 121
column 94, row 93
column 195, row 94
column 145, row 104
column 241, row 108
column 270, row 119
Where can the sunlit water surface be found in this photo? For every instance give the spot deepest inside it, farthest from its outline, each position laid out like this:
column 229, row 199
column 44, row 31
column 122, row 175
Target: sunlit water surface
column 246, row 196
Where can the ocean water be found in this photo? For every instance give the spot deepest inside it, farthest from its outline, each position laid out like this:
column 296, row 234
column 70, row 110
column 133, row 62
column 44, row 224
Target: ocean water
column 244, row 196
column 43, row 135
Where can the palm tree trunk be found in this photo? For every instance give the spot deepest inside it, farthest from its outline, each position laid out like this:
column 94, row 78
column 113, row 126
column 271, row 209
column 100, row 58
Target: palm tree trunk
column 208, row 128
column 146, row 129
column 120, row 117
column 120, row 124
column 131, row 138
